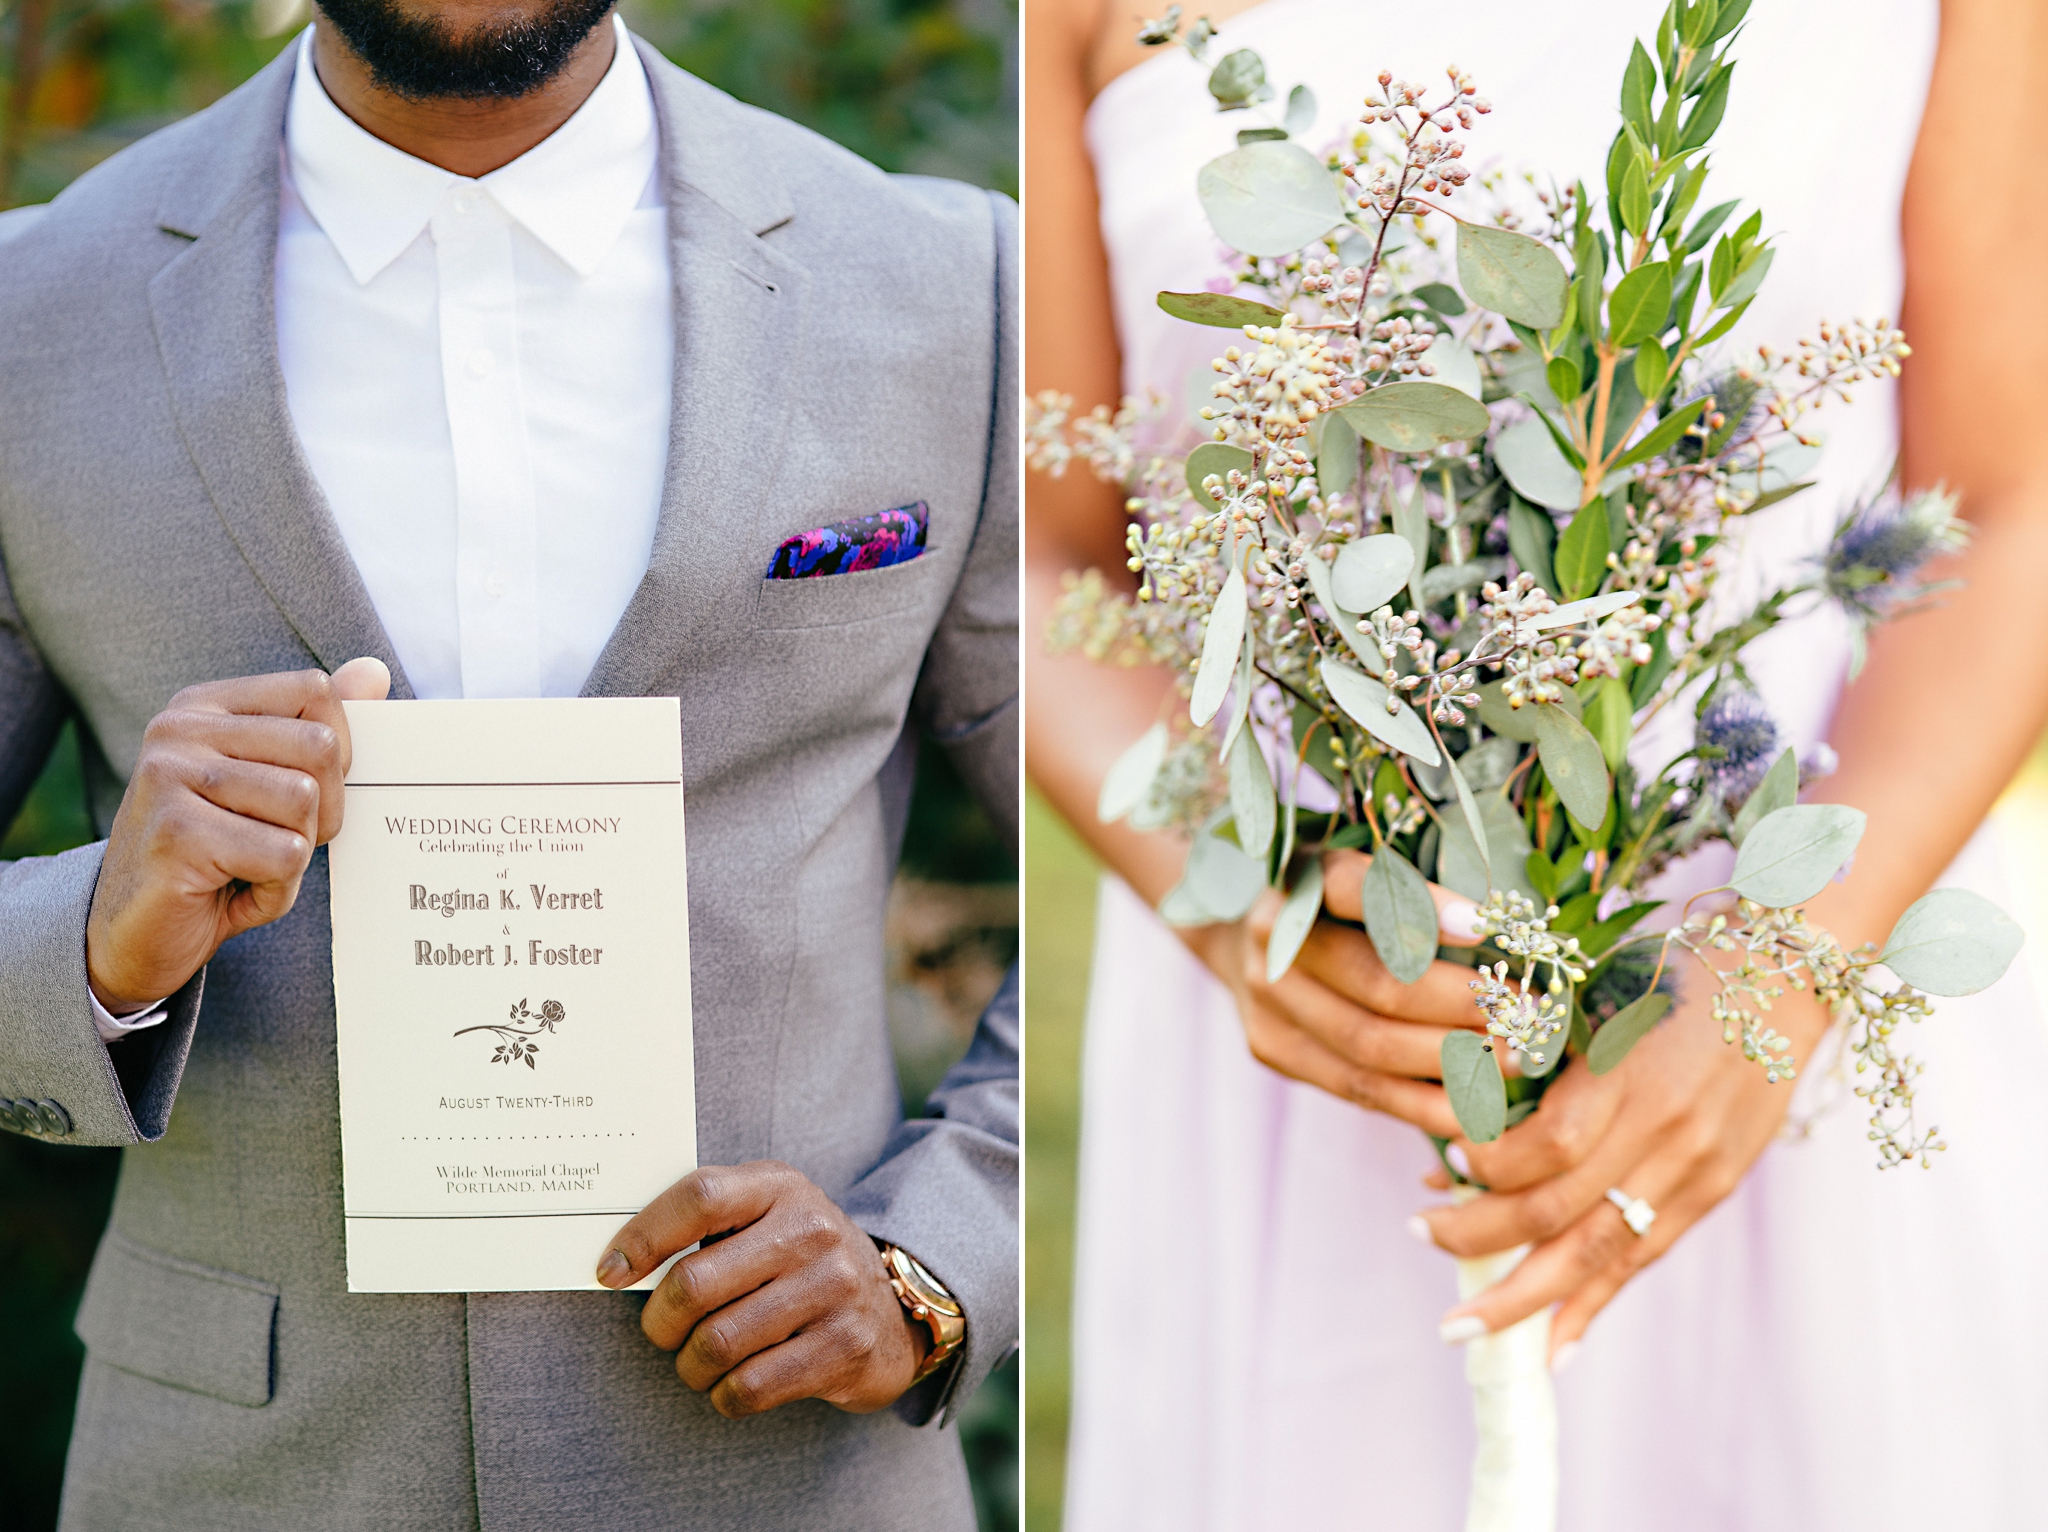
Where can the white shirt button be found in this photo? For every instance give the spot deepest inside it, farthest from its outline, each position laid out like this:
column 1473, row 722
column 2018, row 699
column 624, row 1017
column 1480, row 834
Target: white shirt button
column 494, row 582
column 482, row 361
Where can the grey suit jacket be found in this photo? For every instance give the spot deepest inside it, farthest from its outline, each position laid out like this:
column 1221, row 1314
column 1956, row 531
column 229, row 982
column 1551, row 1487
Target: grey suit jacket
column 844, row 343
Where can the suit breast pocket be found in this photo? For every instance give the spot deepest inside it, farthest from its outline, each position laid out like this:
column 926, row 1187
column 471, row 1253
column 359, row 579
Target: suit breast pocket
column 177, row 1322
column 862, row 595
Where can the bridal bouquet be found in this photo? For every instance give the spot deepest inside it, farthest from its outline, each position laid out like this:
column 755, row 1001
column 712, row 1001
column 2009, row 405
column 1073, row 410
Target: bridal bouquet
column 1453, row 546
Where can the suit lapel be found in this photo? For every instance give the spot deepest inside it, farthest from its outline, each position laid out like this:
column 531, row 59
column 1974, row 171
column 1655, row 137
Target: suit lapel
column 214, row 312
column 740, row 310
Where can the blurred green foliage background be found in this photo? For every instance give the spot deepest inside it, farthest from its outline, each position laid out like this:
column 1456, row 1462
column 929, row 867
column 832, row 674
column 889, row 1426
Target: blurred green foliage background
column 927, row 86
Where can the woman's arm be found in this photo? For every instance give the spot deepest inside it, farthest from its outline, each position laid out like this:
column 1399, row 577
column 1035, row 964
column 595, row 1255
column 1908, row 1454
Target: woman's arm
column 1928, row 736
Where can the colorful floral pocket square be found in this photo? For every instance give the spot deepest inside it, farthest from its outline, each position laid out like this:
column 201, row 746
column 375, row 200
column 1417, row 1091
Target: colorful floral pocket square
column 859, row 542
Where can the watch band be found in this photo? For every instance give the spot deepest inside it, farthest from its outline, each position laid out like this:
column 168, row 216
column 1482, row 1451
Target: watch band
column 926, row 1300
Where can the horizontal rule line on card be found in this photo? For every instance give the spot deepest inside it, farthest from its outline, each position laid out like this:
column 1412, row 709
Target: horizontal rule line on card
column 470, row 1217
column 659, row 782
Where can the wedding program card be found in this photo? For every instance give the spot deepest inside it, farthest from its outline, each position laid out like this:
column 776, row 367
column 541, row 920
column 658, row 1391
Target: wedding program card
column 511, row 987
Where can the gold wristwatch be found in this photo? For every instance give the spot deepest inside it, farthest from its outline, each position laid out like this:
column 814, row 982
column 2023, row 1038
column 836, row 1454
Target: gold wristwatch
column 927, row 1301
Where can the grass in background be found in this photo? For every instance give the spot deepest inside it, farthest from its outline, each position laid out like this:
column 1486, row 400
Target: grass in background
column 1059, row 912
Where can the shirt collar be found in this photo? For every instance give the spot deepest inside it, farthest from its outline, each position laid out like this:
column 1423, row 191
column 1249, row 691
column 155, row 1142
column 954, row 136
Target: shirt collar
column 572, row 191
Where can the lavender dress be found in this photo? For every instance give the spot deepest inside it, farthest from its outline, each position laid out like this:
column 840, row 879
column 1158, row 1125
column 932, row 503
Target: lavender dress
column 1255, row 1334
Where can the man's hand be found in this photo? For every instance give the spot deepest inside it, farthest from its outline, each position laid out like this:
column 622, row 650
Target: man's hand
column 237, row 782
column 793, row 1304
column 1338, row 1019
column 1678, row 1125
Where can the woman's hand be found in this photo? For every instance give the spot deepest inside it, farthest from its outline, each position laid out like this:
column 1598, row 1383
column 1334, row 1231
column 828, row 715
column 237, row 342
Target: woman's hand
column 1678, row 1125
column 1337, row 1019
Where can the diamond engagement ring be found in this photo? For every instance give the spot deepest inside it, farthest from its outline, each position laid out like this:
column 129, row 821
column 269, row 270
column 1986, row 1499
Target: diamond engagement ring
column 1635, row 1212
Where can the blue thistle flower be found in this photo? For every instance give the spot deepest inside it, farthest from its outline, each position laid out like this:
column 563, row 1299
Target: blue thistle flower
column 1737, row 726
column 1873, row 564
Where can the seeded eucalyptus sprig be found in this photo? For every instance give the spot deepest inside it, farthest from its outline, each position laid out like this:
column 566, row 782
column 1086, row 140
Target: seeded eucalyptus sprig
column 1474, row 454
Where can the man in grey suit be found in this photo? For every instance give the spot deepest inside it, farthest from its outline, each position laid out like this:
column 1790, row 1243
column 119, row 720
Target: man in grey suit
column 226, row 503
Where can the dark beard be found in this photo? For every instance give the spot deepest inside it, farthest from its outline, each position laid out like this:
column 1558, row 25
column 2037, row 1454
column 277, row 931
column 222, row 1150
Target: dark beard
column 422, row 61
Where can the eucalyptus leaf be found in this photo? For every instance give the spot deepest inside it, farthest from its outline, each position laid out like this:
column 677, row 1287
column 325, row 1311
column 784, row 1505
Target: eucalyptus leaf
column 1269, row 198
column 1336, row 454
column 1590, row 609
column 1516, row 723
column 1517, row 277
column 1488, row 764
column 1572, row 761
column 1236, row 79
column 1215, row 459
column 1131, row 778
column 1219, row 309
column 1952, row 942
column 1624, row 1029
column 1362, row 644
column 1526, row 453
column 1400, row 915
column 1638, row 304
column 1791, row 853
column 1370, row 571
column 1779, row 789
column 1416, row 417
column 1240, row 700
column 1301, row 110
column 1411, row 520
column 1458, row 865
column 1446, row 580
column 1296, row 919
column 1456, row 367
column 1220, row 884
column 1582, row 549
column 1442, row 297
column 1610, row 719
column 1470, row 806
column 1472, row 1080
column 1221, row 641
column 1531, row 535
column 1252, row 803
column 1260, row 135
column 1365, row 700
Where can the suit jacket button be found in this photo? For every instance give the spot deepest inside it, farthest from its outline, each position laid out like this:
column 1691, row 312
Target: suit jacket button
column 10, row 1118
column 56, row 1121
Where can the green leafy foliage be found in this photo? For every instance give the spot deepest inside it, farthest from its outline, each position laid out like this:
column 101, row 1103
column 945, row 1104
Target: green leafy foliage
column 1581, row 557
column 1219, row 309
column 1370, row 571
column 1638, row 304
column 1791, row 854
column 1515, row 276
column 1611, row 1044
column 1214, row 460
column 1952, row 942
column 1779, row 789
column 1131, row 777
column 1528, row 456
column 1531, row 536
column 1220, row 884
column 1572, row 760
column 1269, row 198
column 1472, row 1081
column 1253, row 808
column 1369, row 705
column 1297, row 917
column 1400, row 915
column 1414, row 417
column 1221, row 640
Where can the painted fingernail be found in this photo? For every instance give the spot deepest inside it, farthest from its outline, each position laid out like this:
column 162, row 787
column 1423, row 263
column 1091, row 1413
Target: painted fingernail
column 1459, row 920
column 1418, row 1226
column 614, row 1269
column 1455, row 1155
column 1466, row 1327
column 1565, row 1356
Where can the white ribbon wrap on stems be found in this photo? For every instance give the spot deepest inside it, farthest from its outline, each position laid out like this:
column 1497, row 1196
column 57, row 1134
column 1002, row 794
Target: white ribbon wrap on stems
column 1514, row 1473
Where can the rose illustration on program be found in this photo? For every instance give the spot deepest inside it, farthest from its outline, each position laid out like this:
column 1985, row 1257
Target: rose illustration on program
column 515, row 1043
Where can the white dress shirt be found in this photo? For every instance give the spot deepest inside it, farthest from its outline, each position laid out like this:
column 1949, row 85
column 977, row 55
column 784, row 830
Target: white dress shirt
column 480, row 373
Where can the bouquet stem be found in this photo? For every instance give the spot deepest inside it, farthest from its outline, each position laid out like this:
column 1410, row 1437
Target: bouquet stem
column 1514, row 1473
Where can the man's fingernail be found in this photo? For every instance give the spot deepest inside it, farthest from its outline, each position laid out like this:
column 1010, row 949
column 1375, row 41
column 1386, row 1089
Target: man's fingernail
column 1418, row 1226
column 1564, row 1357
column 1459, row 920
column 614, row 1269
column 1466, row 1327
column 1454, row 1154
